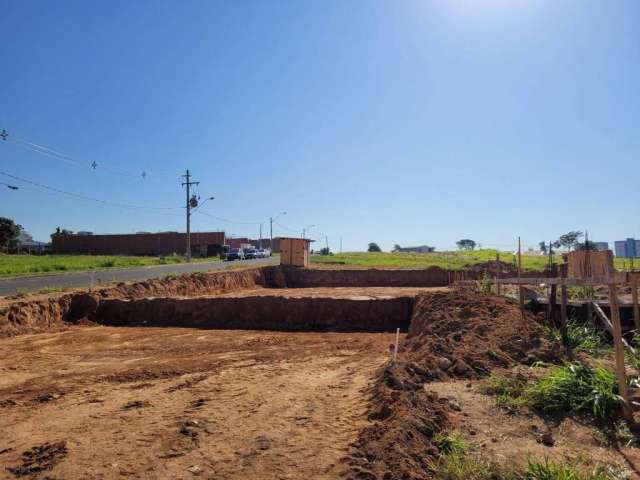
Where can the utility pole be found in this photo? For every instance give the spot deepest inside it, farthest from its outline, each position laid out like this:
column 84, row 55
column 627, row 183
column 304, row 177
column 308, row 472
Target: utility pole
column 326, row 239
column 340, row 244
column 271, row 229
column 260, row 241
column 271, row 233
column 188, row 183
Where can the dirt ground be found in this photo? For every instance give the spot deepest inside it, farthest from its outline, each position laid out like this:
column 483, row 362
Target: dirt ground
column 100, row 402
column 512, row 439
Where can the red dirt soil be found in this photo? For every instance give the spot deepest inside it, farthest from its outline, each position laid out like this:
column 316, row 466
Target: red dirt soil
column 453, row 334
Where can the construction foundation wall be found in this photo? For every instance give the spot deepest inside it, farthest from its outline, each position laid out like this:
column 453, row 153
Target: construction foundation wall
column 260, row 313
column 293, row 277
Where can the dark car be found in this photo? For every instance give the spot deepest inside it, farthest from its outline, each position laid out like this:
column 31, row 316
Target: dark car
column 235, row 254
column 250, row 253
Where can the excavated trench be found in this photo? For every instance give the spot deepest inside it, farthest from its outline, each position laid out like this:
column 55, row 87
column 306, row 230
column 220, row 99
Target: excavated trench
column 270, row 298
column 263, row 312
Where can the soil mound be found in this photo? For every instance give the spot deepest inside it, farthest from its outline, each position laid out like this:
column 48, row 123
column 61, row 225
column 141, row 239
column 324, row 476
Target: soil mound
column 452, row 334
column 466, row 334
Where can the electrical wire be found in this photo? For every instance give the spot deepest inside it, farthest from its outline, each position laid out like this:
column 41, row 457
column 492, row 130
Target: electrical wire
column 225, row 219
column 93, row 165
column 286, row 228
column 85, row 197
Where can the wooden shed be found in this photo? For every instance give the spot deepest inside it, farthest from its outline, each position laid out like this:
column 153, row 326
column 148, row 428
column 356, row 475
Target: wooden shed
column 294, row 251
column 590, row 263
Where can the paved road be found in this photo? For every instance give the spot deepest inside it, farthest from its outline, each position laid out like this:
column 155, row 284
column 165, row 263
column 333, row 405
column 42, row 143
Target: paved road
column 11, row 286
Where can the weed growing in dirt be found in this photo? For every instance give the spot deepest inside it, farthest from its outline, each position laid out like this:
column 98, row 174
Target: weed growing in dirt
column 577, row 388
column 580, row 337
column 450, row 443
column 483, row 285
column 549, row 470
column 509, row 391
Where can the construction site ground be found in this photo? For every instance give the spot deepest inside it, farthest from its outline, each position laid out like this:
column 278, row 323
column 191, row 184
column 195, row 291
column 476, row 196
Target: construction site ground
column 174, row 403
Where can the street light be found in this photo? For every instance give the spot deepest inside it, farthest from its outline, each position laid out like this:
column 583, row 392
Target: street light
column 271, row 220
column 304, row 230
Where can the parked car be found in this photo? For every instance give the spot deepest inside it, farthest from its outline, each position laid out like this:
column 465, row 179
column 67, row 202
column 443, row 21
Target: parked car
column 235, row 254
column 250, row 253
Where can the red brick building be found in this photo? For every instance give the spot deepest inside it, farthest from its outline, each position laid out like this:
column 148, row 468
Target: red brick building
column 202, row 243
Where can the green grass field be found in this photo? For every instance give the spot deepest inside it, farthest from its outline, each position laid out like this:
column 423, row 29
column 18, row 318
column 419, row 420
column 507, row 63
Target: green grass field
column 16, row 265
column 449, row 260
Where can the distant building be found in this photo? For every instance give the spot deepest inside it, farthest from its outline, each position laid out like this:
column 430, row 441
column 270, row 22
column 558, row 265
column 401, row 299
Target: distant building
column 627, row 248
column 164, row 243
column 418, row 249
column 26, row 243
column 602, row 246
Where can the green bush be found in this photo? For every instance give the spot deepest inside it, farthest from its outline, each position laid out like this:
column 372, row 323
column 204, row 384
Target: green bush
column 449, row 443
column 577, row 388
column 585, row 338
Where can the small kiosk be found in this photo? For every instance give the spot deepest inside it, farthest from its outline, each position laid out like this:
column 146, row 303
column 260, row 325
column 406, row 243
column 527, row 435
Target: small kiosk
column 294, row 251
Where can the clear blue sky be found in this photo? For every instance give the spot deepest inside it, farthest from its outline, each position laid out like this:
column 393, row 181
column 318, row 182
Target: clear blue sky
column 410, row 122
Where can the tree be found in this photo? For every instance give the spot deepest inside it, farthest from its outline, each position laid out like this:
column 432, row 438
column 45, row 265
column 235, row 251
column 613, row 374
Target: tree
column 396, row 248
column 63, row 231
column 325, row 251
column 568, row 240
column 543, row 247
column 373, row 247
column 466, row 244
column 9, row 231
column 587, row 245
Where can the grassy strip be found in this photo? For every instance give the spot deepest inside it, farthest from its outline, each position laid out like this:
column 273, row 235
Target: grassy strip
column 456, row 462
column 16, row 265
column 449, row 260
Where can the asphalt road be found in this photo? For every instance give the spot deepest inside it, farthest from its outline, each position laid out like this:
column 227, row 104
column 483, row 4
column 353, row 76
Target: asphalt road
column 11, row 286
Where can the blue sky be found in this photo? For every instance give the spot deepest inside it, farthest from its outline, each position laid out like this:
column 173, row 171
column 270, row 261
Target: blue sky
column 410, row 122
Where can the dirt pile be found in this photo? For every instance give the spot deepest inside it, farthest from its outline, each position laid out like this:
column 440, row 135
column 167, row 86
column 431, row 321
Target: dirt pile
column 466, row 334
column 452, row 334
column 43, row 313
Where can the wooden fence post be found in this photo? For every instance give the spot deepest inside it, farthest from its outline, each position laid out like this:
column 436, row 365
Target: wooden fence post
column 563, row 310
column 619, row 350
column 498, row 272
column 636, row 308
column 520, row 290
column 564, row 297
column 553, row 293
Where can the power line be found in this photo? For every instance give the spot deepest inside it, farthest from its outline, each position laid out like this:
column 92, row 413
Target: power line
column 92, row 165
column 85, row 197
column 225, row 219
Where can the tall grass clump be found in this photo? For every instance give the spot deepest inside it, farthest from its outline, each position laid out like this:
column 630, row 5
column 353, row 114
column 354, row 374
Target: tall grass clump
column 581, row 337
column 549, row 470
column 577, row 388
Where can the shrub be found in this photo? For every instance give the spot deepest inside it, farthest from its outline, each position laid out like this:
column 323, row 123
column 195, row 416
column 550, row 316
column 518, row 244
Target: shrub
column 577, row 388
column 585, row 338
column 483, row 284
column 449, row 443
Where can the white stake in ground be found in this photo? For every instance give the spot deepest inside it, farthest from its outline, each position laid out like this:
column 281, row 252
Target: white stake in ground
column 395, row 350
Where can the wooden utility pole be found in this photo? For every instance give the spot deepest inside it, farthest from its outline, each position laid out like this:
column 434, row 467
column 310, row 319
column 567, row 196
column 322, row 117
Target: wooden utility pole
column 619, row 350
